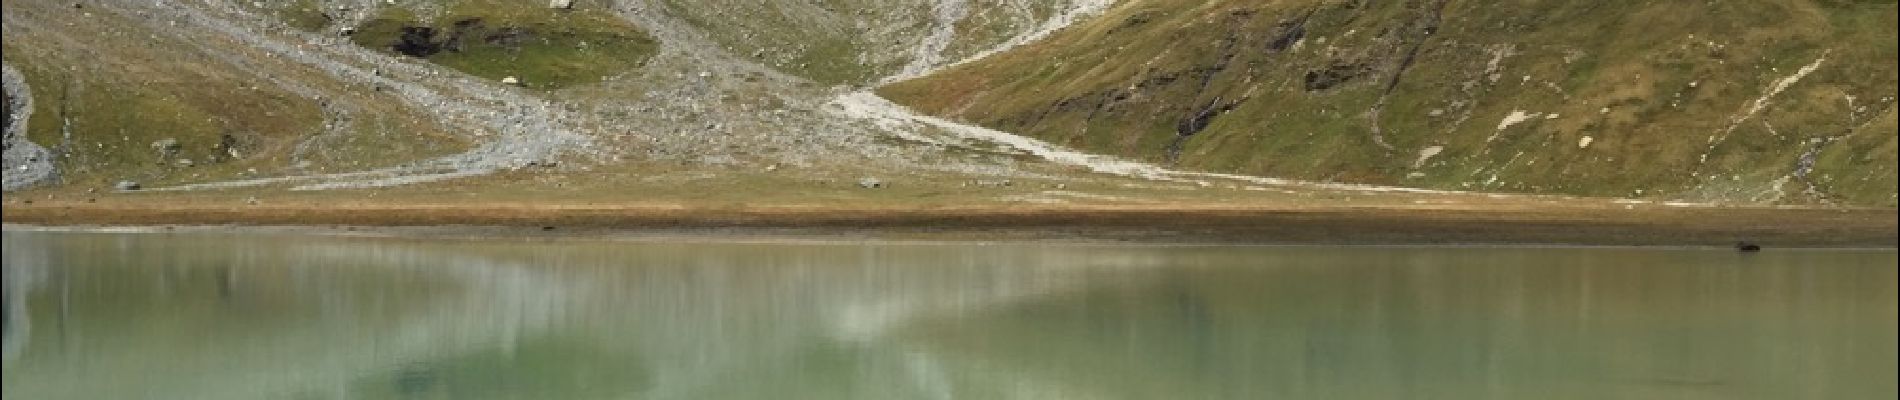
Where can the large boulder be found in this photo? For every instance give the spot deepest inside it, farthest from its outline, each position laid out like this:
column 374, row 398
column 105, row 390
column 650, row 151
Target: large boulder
column 166, row 147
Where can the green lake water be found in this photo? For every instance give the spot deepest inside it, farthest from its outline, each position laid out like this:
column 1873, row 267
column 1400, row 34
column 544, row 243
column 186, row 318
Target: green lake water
column 285, row 316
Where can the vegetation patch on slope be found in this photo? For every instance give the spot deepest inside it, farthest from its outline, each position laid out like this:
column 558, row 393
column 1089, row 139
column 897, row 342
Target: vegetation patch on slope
column 540, row 47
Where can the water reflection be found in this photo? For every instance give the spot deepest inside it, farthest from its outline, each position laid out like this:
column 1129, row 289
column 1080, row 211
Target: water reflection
column 204, row 316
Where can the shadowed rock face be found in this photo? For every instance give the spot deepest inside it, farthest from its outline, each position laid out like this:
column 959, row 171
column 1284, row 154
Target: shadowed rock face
column 1332, row 76
column 425, row 41
column 417, row 41
column 26, row 163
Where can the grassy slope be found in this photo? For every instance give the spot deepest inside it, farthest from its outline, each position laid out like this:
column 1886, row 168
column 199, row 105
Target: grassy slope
column 1649, row 83
column 810, row 40
column 544, row 48
column 306, row 15
column 122, row 86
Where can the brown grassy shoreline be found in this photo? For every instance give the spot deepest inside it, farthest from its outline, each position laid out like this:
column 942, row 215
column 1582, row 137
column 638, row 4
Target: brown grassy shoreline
column 1653, row 226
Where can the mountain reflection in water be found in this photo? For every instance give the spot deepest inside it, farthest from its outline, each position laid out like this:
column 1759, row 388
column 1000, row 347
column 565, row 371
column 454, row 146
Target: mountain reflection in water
column 224, row 316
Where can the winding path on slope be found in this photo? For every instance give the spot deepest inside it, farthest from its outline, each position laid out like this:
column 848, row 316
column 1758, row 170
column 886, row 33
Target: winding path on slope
column 867, row 105
column 511, row 127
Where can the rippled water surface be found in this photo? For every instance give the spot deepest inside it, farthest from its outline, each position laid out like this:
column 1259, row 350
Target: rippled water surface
column 270, row 316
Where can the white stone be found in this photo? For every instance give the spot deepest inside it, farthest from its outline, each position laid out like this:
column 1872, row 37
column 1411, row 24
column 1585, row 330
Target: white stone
column 1426, row 154
column 1515, row 117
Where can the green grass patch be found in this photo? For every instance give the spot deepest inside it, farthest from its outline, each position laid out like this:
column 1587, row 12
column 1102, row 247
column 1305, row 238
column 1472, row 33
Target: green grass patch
column 304, row 14
column 543, row 48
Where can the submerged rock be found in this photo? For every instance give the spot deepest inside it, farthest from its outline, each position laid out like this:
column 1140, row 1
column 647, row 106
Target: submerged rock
column 871, row 183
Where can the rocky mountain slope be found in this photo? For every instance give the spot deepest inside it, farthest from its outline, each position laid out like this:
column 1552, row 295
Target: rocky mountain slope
column 1775, row 101
column 321, row 94
column 1756, row 101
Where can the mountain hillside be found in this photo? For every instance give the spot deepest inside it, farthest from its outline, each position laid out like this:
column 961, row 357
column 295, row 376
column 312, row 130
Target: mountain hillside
column 1749, row 101
column 1735, row 102
column 328, row 94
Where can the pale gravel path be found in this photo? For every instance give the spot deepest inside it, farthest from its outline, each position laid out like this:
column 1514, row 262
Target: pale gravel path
column 929, row 54
column 1076, row 11
column 869, row 106
column 511, row 128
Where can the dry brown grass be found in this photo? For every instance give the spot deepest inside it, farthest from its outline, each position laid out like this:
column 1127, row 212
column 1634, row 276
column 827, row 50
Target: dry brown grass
column 1577, row 224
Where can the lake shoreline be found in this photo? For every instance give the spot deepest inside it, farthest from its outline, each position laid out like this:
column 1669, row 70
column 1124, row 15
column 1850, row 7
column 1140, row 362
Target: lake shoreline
column 819, row 237
column 1651, row 227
